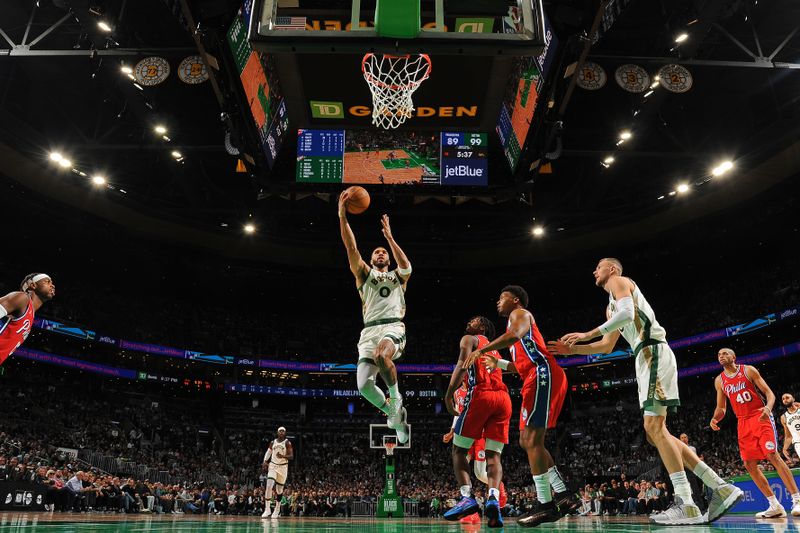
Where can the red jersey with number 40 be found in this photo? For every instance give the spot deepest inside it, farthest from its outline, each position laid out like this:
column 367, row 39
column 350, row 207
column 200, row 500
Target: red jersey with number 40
column 745, row 398
column 14, row 331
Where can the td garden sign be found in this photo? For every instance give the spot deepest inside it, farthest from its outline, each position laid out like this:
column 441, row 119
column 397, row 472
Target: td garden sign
column 334, row 110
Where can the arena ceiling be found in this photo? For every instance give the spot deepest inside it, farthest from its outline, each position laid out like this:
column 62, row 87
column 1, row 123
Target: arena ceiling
column 65, row 92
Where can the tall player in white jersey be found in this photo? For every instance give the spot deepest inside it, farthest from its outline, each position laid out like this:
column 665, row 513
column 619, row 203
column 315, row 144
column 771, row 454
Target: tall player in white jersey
column 630, row 315
column 791, row 426
column 276, row 460
column 383, row 305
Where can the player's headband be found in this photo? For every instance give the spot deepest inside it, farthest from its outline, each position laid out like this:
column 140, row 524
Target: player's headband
column 281, row 429
column 35, row 279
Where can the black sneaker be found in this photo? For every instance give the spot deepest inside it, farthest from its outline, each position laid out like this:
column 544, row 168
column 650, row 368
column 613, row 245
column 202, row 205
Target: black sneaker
column 547, row 513
column 566, row 502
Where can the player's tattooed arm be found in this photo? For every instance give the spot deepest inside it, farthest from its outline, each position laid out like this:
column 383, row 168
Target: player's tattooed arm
column 719, row 411
column 466, row 346
column 358, row 266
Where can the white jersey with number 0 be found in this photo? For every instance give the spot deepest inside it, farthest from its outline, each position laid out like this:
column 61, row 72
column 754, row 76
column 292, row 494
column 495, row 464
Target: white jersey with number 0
column 382, row 296
column 793, row 423
column 644, row 326
column 279, row 447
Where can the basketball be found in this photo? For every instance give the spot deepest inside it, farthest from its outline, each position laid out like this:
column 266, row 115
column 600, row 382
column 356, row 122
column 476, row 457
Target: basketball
column 358, row 201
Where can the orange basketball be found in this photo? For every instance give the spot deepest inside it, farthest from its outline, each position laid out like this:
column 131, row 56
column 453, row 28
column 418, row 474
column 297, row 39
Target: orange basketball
column 358, row 202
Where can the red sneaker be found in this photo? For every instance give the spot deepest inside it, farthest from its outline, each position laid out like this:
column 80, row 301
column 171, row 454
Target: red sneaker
column 503, row 500
column 471, row 519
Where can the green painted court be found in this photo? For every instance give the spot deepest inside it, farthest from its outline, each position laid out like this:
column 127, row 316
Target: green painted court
column 28, row 522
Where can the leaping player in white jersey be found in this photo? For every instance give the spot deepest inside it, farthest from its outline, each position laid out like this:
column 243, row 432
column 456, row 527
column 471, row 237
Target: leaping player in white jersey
column 791, row 426
column 629, row 314
column 383, row 304
column 276, row 460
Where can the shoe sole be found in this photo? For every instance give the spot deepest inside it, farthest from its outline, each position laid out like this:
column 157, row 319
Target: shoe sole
column 728, row 504
column 463, row 514
column 681, row 522
column 493, row 515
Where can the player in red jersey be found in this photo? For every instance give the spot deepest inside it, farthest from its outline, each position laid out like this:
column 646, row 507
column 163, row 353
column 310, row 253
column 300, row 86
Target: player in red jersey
column 543, row 391
column 752, row 401
column 486, row 415
column 17, row 310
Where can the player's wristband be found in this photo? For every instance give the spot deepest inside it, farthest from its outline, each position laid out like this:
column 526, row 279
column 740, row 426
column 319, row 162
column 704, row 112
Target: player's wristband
column 502, row 364
column 405, row 272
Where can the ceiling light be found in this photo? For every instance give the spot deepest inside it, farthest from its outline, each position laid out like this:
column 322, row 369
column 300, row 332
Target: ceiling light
column 682, row 188
column 538, row 231
column 138, row 86
column 648, row 93
column 161, row 130
column 103, row 25
column 661, row 197
column 625, row 135
column 608, row 160
column 655, row 84
column 126, row 69
column 131, row 76
column 682, row 37
column 65, row 162
column 176, row 154
column 620, row 142
column 166, row 138
column 722, row 168
column 98, row 180
column 672, row 193
column 55, row 156
column 249, row 229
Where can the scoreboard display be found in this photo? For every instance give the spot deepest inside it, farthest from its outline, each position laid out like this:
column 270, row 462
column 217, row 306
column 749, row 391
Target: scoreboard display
column 396, row 157
column 464, row 158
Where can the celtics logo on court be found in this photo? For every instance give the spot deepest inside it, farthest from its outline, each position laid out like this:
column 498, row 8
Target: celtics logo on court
column 675, row 78
column 192, row 70
column 592, row 76
column 632, row 78
column 151, row 71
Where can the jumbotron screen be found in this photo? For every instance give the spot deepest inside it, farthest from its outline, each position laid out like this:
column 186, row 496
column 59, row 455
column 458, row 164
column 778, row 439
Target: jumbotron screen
column 392, row 157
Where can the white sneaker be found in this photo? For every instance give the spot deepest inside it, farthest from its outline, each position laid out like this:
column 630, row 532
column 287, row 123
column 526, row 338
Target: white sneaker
column 773, row 512
column 679, row 514
column 399, row 425
column 796, row 508
column 393, row 406
column 267, row 511
column 723, row 498
column 277, row 512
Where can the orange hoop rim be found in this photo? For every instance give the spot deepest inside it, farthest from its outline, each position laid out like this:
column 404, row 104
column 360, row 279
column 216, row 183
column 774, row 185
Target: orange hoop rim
column 373, row 81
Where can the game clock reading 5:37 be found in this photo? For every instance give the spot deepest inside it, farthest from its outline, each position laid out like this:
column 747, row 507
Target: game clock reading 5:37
column 464, row 158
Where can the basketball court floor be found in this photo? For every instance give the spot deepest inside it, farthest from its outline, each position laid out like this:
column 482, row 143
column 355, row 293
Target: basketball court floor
column 27, row 522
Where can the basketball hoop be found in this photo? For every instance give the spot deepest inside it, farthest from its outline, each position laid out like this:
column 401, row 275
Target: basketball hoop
column 389, row 447
column 392, row 80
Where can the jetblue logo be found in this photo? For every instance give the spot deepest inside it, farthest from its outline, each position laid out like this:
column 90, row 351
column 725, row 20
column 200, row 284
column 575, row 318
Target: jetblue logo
column 463, row 170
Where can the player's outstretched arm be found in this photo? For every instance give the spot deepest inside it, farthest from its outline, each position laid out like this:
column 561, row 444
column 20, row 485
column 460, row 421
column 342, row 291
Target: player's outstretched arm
column 719, row 411
column 403, row 264
column 604, row 345
column 466, row 346
column 755, row 376
column 13, row 304
column 358, row 266
column 519, row 325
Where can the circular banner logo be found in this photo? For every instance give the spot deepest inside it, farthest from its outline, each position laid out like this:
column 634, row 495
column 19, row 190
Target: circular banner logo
column 192, row 71
column 675, row 78
column 151, row 71
column 592, row 76
column 632, row 78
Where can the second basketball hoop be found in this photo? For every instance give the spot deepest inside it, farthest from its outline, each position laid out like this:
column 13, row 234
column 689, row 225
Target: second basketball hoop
column 392, row 80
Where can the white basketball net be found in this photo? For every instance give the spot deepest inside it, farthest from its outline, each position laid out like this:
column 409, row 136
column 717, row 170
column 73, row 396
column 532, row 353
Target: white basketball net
column 392, row 80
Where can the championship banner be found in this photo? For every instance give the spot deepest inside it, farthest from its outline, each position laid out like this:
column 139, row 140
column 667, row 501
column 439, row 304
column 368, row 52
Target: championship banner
column 632, row 78
column 151, row 71
column 675, row 78
column 592, row 76
column 21, row 496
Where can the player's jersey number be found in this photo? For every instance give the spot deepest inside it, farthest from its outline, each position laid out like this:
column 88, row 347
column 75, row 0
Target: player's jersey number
column 744, row 397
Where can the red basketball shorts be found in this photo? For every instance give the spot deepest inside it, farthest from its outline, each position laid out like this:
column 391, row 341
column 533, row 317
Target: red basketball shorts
column 486, row 414
column 757, row 438
column 543, row 393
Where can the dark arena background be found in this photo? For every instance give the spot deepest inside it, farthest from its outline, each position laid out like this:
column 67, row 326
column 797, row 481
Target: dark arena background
column 170, row 173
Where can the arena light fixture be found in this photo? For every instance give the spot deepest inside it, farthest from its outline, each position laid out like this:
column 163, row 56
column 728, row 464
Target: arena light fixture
column 126, row 69
column 625, row 135
column 672, row 193
column 683, row 188
column 176, row 154
column 98, row 180
column 661, row 197
column 722, row 168
column 249, row 229
column 103, row 25
column 166, row 138
column 681, row 38
column 608, row 160
column 56, row 157
column 655, row 84
column 160, row 129
column 537, row 231
column 131, row 76
column 648, row 93
column 65, row 163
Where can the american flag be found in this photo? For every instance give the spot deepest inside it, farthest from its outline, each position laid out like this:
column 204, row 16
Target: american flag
column 290, row 23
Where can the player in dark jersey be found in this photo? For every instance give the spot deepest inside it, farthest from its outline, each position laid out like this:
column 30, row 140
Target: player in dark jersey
column 486, row 414
column 752, row 401
column 543, row 391
column 17, row 310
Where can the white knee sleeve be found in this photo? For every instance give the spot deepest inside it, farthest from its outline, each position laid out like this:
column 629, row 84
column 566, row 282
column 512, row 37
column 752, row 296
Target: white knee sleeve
column 270, row 485
column 480, row 471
